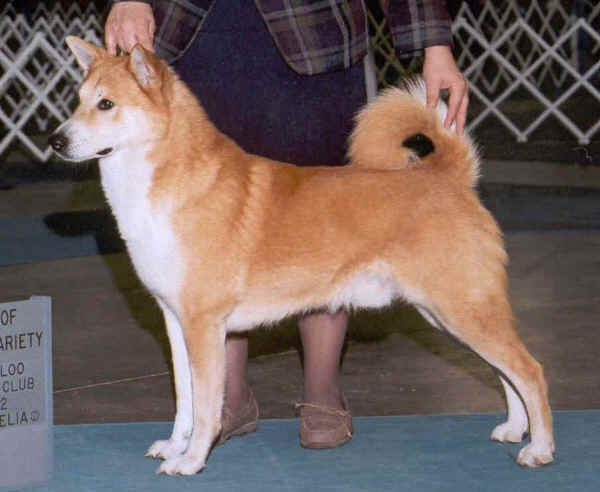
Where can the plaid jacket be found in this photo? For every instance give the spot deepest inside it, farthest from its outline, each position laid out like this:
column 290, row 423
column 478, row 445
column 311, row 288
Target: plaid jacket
column 313, row 36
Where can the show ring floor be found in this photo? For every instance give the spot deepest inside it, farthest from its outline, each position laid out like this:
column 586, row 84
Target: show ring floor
column 403, row 453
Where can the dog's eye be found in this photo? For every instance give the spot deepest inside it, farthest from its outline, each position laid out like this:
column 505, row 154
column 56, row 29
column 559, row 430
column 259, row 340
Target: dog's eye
column 105, row 104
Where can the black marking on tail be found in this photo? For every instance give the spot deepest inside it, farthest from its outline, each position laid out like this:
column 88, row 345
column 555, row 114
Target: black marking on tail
column 420, row 144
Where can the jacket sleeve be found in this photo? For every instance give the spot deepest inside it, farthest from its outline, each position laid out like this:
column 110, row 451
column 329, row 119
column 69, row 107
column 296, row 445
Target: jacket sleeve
column 417, row 24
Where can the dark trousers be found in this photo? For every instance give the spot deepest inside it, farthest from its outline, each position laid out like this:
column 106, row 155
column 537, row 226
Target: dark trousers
column 252, row 95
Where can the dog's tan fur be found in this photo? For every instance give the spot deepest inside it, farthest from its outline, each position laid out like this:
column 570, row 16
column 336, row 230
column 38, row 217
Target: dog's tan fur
column 259, row 240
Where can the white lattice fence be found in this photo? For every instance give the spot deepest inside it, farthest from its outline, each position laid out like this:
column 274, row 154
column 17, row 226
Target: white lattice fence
column 532, row 53
column 38, row 74
column 526, row 62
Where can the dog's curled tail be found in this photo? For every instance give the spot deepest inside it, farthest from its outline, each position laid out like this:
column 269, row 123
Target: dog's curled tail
column 398, row 131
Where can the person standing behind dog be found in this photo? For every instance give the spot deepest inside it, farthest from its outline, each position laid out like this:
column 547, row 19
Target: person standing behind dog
column 285, row 82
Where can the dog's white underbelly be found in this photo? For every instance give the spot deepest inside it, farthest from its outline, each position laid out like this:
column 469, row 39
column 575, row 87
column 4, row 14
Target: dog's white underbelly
column 145, row 226
column 367, row 289
column 371, row 288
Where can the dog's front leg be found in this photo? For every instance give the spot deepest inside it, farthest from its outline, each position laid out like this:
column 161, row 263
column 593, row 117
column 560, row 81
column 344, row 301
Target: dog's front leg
column 182, row 428
column 205, row 340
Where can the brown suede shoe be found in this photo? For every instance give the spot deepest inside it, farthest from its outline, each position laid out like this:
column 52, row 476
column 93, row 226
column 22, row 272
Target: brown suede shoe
column 243, row 423
column 323, row 427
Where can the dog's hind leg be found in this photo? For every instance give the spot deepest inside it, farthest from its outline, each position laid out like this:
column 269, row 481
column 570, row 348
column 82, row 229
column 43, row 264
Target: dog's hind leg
column 182, row 428
column 517, row 424
column 486, row 326
column 205, row 340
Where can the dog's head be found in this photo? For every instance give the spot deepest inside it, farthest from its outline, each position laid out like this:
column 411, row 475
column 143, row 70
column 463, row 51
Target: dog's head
column 121, row 103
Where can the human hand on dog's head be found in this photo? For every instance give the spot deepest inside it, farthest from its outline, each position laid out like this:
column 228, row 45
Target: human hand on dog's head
column 146, row 67
column 128, row 24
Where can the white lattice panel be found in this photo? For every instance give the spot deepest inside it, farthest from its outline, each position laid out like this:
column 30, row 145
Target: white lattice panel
column 514, row 51
column 37, row 73
column 532, row 52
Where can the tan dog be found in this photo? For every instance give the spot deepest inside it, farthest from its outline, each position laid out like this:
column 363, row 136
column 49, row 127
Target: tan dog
column 227, row 241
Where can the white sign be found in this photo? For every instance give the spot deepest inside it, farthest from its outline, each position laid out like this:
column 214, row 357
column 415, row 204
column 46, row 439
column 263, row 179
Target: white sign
column 25, row 392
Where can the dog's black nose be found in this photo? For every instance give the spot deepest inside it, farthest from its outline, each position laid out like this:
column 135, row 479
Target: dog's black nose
column 57, row 141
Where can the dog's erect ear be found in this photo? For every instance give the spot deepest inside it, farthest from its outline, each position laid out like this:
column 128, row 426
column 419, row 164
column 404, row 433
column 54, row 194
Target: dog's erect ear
column 85, row 53
column 144, row 66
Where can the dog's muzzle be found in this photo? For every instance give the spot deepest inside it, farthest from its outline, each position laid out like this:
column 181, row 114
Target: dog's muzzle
column 60, row 143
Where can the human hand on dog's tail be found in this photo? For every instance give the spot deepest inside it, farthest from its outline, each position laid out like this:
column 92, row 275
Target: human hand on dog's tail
column 127, row 24
column 440, row 72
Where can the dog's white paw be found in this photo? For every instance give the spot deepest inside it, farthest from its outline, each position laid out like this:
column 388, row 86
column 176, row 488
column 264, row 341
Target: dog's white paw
column 508, row 432
column 168, row 449
column 534, row 455
column 185, row 464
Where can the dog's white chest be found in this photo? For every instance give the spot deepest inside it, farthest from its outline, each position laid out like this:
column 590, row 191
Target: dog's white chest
column 145, row 226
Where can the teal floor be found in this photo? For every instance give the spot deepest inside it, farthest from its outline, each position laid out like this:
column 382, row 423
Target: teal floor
column 421, row 453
